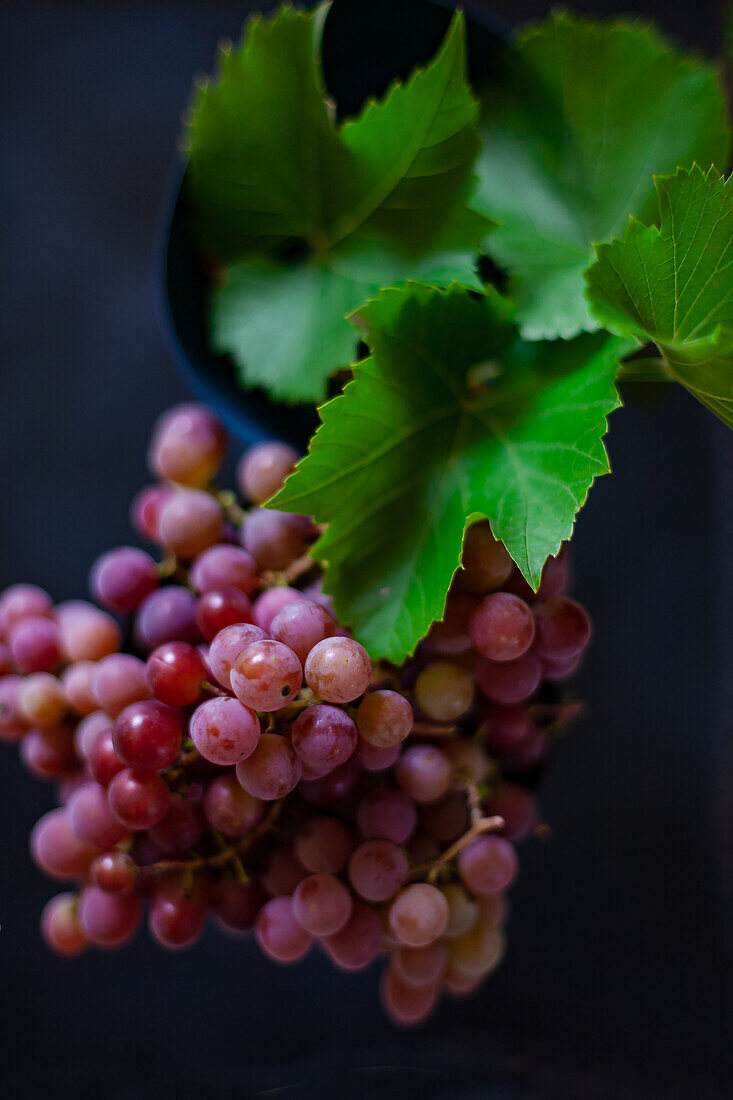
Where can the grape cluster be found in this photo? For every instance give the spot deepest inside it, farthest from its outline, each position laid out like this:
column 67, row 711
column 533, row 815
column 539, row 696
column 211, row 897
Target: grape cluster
column 222, row 747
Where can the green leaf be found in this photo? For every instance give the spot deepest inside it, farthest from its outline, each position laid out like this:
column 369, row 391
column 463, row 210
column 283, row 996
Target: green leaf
column 674, row 285
column 452, row 418
column 580, row 116
column 368, row 203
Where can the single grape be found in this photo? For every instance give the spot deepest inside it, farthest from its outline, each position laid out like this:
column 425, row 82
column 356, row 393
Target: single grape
column 517, row 806
column 337, row 790
column 419, row 915
column 444, row 691
column 266, row 675
column 322, row 905
column 282, row 871
column 87, row 634
column 57, row 850
column 463, row 910
column 229, row 808
column 486, row 564
column 86, row 733
column 560, row 668
column 488, row 865
column 563, row 628
column 122, row 578
column 175, row 672
column 190, row 521
column 373, row 759
column 479, row 950
column 167, row 615
column 60, row 926
column 114, row 872
column 48, row 753
column 506, row 727
column 181, row 828
column 236, row 904
column 140, row 799
column 146, row 508
column 177, row 916
column 220, row 608
column 360, row 940
column 224, row 566
column 35, row 644
column 275, row 539
column 78, row 681
column 23, row 601
column 509, row 682
column 323, row 845
column 301, row 624
column 224, row 731
column 262, row 470
column 42, row 700
column 446, row 820
column 461, row 983
column 148, row 735
column 450, row 635
column 279, row 934
column 271, row 601
column 384, row 718
column 406, row 1005
column 378, row 869
column 323, row 737
column 338, row 669
column 119, row 681
column 108, row 920
column 423, row 772
column 91, row 819
column 502, row 627
column 227, row 645
column 272, row 771
column 188, row 445
column 421, row 966
column 387, row 814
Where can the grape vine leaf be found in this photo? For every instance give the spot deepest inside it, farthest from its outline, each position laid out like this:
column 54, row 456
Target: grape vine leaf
column 674, row 284
column 362, row 204
column 452, row 418
column 579, row 118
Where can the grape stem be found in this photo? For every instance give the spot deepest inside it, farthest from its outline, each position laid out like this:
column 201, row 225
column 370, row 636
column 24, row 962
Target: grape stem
column 231, row 853
column 296, row 569
column 429, row 872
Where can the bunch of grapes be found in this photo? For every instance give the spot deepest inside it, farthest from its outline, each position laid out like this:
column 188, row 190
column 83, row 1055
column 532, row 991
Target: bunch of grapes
column 222, row 748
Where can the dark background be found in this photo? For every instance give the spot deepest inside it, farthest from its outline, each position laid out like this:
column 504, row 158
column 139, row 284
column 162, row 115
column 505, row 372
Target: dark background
column 617, row 978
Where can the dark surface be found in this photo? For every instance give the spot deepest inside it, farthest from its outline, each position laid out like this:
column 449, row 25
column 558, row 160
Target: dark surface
column 617, row 979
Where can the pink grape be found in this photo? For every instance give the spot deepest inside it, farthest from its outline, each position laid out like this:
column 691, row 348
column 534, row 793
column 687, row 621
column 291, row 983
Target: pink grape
column 323, row 737
column 387, row 814
column 338, row 669
column 42, row 699
column 167, row 615
column 560, row 668
column 220, row 608
column 563, row 628
column 60, row 926
column 87, row 634
column 423, row 772
column 23, row 601
column 336, row 790
column 108, row 920
column 421, row 966
column 91, row 819
column 509, row 682
column 450, row 635
column 270, row 602
column 373, row 759
column 502, row 627
column 188, row 445
column 419, row 915
column 445, row 820
column 140, row 799
column 13, row 725
column 227, row 645
column 88, row 730
column 236, row 904
column 275, row 539
column 266, row 675
column 78, row 681
column 406, row 1004
column 224, row 567
column 507, row 726
column 517, row 806
column 229, row 808
column 488, row 865
column 57, row 850
column 322, row 905
column 190, row 521
column 323, row 845
column 262, row 470
column 278, row 932
column 282, row 871
column 272, row 771
column 360, row 940
column 102, row 760
column 148, row 735
column 177, row 916
column 384, row 718
column 49, row 753
column 301, row 624
column 485, row 561
column 122, row 578
column 181, row 828
column 146, row 508
column 35, row 644
column 114, row 872
column 119, row 681
column 224, row 731
column 175, row 672
column 6, row 660
column 377, row 870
